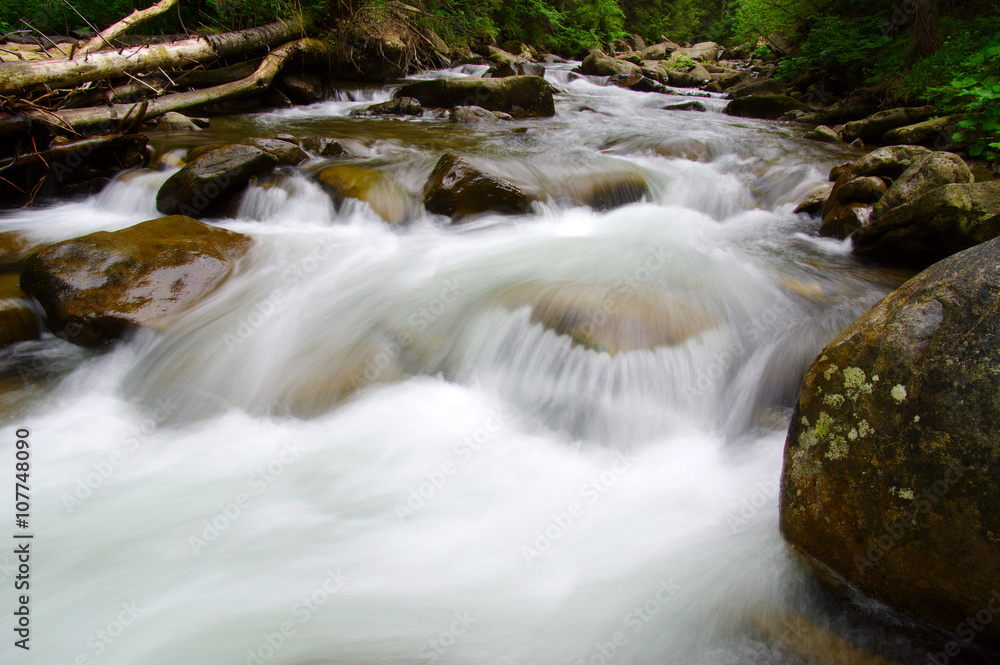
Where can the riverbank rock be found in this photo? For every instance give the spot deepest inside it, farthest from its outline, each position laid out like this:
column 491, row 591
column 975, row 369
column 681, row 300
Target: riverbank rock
column 18, row 321
column 97, row 287
column 700, row 52
column 874, row 127
column 458, row 189
column 172, row 121
column 660, row 51
column 690, row 77
column 599, row 63
column 521, row 96
column 863, row 189
column 301, row 87
column 386, row 195
column 889, row 476
column 398, row 106
column 757, row 87
column 844, row 219
column 205, row 184
column 934, row 133
column 764, row 107
column 934, row 170
column 942, row 222
column 823, row 134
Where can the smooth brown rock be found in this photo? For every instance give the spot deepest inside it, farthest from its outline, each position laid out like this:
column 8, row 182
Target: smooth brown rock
column 386, row 196
column 863, row 189
column 458, row 189
column 206, row 184
column 521, row 96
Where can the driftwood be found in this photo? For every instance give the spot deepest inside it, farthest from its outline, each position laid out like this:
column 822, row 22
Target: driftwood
column 103, row 39
column 129, row 115
column 16, row 77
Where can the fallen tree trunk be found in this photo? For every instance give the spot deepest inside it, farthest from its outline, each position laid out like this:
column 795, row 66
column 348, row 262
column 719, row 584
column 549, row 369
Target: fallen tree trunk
column 95, row 118
column 103, row 39
column 18, row 76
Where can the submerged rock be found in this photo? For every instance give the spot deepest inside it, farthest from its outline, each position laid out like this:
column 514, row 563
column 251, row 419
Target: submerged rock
column 521, row 96
column 889, row 468
column 605, row 189
column 386, row 195
column 458, row 189
column 97, row 287
column 18, row 321
column 205, row 184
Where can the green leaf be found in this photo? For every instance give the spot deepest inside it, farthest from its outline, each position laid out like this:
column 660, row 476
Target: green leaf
column 976, row 150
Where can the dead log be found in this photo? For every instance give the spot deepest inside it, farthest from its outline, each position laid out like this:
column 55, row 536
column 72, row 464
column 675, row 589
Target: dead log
column 19, row 76
column 103, row 39
column 98, row 117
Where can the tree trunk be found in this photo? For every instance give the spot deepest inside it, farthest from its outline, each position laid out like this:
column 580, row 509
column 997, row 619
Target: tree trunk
column 19, row 76
column 109, row 118
column 103, row 39
column 926, row 30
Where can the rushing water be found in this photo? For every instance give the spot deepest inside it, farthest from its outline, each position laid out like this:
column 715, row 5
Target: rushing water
column 365, row 448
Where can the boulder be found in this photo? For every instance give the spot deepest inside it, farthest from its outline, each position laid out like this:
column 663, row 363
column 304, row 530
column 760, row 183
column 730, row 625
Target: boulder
column 757, row 87
column 730, row 81
column 323, row 147
column 599, row 63
column 843, row 220
column 942, row 222
column 888, row 162
column 863, row 189
column 301, row 87
column 700, row 52
column 767, row 107
column 397, row 106
column 472, row 114
column 813, row 204
column 205, row 184
column 521, row 96
column 97, row 287
column 874, row 127
column 889, row 477
column 934, row 170
column 386, row 196
column 659, row 51
column 18, row 321
column 287, row 153
column 935, row 133
column 172, row 121
column 516, row 68
column 694, row 77
column 686, row 106
column 646, row 84
column 605, row 189
column 458, row 189
column 824, row 134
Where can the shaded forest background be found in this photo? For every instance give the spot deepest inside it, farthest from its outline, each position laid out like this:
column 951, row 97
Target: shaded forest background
column 942, row 52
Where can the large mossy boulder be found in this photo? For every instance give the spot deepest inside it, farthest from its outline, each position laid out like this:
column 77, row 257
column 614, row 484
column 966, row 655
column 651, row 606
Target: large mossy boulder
column 520, row 96
column 208, row 182
column 599, row 63
column 97, row 287
column 935, row 170
column 875, row 126
column 764, row 107
column 458, row 189
column 942, row 222
column 890, row 466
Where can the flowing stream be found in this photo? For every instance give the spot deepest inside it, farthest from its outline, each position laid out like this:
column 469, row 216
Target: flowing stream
column 370, row 447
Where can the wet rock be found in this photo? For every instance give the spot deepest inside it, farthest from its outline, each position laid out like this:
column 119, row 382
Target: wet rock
column 18, row 321
column 889, row 467
column 933, row 171
column 472, row 114
column 607, row 320
column 287, row 154
column 301, row 87
column 323, row 147
column 864, row 189
column 767, row 107
column 757, row 87
column 458, row 189
column 14, row 249
column 813, row 204
column 386, row 195
column 875, row 126
column 845, row 219
column 599, row 63
column 934, row 133
column 521, row 96
column 888, row 162
column 398, row 106
column 686, row 106
column 942, row 222
column 172, row 121
column 646, row 84
column 205, row 184
column 516, row 68
column 824, row 134
column 604, row 190
column 97, row 287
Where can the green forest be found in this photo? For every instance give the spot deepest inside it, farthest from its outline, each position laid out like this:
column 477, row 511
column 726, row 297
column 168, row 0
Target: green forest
column 945, row 53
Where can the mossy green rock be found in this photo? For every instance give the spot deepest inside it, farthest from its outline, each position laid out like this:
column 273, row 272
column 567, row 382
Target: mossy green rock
column 890, row 466
column 521, row 96
column 940, row 223
column 96, row 287
column 935, row 170
column 765, row 107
